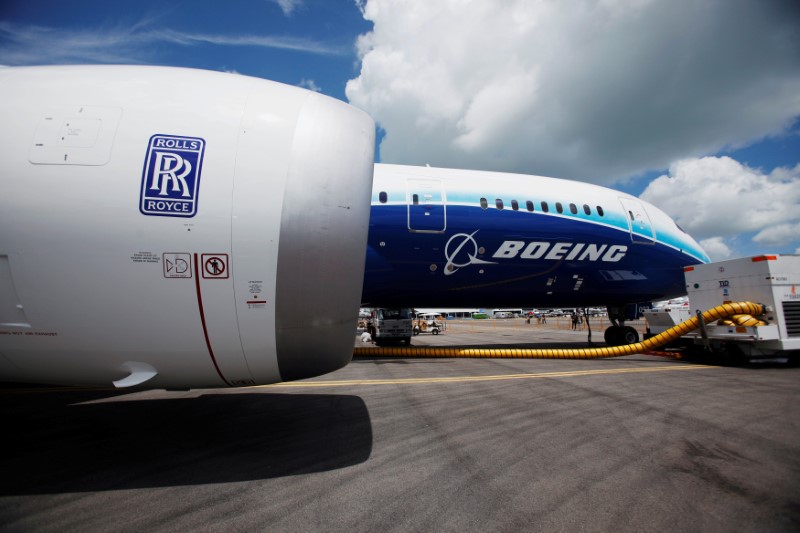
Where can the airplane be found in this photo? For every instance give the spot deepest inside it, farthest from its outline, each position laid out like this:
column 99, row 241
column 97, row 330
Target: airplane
column 465, row 238
column 177, row 228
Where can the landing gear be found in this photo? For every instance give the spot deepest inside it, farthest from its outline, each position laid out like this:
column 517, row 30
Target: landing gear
column 621, row 335
column 618, row 334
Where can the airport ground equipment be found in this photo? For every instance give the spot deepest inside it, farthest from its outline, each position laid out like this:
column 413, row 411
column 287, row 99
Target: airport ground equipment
column 772, row 280
column 720, row 312
column 428, row 323
column 390, row 325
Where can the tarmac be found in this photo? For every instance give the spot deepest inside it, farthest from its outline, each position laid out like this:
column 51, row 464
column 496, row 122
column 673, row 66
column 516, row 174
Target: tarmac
column 635, row 443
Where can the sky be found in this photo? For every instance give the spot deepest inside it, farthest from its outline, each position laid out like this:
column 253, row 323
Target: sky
column 692, row 105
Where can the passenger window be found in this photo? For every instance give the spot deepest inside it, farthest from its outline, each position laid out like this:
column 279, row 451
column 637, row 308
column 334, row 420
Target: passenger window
column 529, row 205
column 484, row 203
column 382, row 197
column 415, row 199
column 587, row 209
column 545, row 207
column 573, row 209
column 498, row 203
column 559, row 207
column 600, row 211
column 514, row 205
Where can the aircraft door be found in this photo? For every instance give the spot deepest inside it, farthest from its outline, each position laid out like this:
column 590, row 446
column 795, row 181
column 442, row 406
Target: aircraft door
column 426, row 206
column 638, row 221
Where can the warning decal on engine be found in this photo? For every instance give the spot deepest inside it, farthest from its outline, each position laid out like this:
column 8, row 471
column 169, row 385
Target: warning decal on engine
column 215, row 266
column 177, row 265
column 256, row 301
column 171, row 176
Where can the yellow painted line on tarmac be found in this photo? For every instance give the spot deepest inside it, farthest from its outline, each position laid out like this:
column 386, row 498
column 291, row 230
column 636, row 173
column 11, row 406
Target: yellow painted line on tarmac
column 466, row 379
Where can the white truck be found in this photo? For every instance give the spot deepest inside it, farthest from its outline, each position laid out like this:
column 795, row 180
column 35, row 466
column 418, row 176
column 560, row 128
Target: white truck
column 771, row 280
column 390, row 325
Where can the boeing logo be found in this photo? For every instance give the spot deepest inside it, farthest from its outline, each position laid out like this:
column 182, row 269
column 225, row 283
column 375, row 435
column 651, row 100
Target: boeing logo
column 555, row 251
column 171, row 177
column 462, row 250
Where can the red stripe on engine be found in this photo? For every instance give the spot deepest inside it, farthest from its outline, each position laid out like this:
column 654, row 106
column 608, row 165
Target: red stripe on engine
column 203, row 318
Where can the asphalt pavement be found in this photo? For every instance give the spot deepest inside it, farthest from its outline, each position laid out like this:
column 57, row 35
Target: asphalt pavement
column 636, row 443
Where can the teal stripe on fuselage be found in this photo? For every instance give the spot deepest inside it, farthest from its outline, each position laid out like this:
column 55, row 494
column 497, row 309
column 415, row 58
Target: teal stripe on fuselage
column 613, row 218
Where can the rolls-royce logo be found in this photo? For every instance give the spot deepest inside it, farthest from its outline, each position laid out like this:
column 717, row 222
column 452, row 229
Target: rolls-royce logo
column 171, row 177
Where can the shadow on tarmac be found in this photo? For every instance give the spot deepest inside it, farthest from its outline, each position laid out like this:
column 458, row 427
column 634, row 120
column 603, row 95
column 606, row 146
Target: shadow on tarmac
column 55, row 444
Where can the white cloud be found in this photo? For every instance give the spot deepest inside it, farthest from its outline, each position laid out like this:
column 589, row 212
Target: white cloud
column 310, row 84
column 261, row 41
column 135, row 43
column 715, row 197
column 597, row 90
column 779, row 234
column 288, row 6
column 716, row 248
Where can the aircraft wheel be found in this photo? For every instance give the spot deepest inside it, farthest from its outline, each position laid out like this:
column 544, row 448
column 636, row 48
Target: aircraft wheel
column 612, row 335
column 629, row 335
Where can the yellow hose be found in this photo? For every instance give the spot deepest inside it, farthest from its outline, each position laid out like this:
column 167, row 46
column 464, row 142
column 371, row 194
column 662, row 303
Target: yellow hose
column 742, row 320
column 720, row 312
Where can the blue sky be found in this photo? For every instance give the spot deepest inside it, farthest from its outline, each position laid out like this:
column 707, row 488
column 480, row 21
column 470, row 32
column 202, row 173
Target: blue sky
column 694, row 106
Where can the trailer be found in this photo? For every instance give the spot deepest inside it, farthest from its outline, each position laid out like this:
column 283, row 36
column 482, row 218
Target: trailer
column 771, row 280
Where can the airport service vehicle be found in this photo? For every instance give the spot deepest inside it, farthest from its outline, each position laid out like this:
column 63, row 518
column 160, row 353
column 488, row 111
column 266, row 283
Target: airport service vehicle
column 506, row 313
column 175, row 228
column 771, row 280
column 390, row 325
column 428, row 323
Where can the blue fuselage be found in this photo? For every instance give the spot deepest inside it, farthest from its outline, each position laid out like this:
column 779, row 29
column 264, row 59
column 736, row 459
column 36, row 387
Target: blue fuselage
column 463, row 241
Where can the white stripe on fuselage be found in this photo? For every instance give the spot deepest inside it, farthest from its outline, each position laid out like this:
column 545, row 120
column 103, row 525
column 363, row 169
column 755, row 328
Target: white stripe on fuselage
column 466, row 187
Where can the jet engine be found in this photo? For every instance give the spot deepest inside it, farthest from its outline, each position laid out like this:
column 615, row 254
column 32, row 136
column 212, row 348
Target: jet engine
column 177, row 228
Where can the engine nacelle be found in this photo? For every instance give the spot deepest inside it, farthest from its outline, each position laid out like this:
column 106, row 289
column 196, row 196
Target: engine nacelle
column 176, row 228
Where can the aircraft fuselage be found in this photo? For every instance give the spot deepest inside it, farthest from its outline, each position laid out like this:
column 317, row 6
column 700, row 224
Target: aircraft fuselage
column 444, row 237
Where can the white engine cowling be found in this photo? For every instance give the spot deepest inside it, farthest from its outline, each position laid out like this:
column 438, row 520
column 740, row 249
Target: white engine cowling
column 176, row 228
